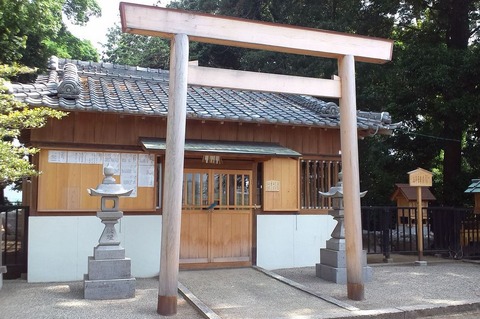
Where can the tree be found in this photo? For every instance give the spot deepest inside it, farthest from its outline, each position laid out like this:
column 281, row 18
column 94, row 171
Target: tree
column 33, row 30
column 15, row 117
column 137, row 50
column 432, row 85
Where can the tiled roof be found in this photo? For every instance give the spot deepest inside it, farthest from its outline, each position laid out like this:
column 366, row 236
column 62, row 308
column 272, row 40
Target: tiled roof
column 474, row 186
column 105, row 87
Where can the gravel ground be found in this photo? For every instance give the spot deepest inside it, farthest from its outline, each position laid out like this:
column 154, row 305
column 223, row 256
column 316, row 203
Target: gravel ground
column 438, row 289
column 403, row 285
column 19, row 299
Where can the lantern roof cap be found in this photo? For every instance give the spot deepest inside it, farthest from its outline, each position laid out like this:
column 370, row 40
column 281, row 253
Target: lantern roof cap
column 109, row 187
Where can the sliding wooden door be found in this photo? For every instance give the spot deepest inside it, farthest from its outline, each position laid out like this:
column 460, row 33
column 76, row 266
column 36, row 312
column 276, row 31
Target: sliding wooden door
column 216, row 218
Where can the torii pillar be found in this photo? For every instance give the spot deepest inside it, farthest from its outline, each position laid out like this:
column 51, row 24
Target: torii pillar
column 174, row 158
column 351, row 189
column 182, row 25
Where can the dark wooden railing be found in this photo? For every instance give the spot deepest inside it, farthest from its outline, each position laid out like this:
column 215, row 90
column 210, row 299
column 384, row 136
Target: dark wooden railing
column 452, row 232
column 14, row 241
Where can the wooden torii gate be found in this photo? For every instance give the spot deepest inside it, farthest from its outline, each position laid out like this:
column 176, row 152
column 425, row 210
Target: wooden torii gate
column 182, row 26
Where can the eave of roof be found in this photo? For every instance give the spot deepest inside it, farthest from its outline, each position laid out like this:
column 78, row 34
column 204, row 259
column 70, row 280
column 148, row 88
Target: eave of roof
column 75, row 85
column 410, row 192
column 474, row 186
column 223, row 147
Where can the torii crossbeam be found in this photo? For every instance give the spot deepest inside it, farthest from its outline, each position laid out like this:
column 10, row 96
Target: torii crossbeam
column 182, row 26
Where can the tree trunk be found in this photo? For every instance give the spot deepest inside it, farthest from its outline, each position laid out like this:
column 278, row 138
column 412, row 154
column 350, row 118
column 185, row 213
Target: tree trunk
column 457, row 35
column 458, row 26
column 452, row 164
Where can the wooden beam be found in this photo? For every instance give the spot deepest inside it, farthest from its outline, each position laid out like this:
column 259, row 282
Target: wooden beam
column 174, row 158
column 162, row 22
column 351, row 179
column 255, row 81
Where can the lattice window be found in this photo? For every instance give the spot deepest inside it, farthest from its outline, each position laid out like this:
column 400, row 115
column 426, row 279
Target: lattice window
column 317, row 176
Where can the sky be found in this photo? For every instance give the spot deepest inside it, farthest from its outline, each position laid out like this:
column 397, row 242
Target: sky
column 96, row 28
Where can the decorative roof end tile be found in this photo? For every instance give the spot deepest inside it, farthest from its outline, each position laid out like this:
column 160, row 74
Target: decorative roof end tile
column 70, row 87
column 53, row 63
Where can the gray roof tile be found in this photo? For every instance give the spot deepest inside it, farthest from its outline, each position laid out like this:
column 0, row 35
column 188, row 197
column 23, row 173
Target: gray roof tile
column 107, row 87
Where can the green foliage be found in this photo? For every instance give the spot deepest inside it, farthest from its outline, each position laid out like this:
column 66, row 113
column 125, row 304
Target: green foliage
column 137, row 50
column 66, row 45
column 15, row 117
column 32, row 30
column 80, row 11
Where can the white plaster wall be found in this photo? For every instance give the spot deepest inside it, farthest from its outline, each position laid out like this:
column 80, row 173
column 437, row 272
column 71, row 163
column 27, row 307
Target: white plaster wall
column 286, row 241
column 58, row 247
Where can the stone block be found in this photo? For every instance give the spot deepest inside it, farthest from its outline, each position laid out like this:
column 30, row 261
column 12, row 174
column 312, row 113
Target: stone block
column 339, row 275
column 332, row 274
column 108, row 252
column 336, row 244
column 109, row 268
column 109, row 289
column 333, row 258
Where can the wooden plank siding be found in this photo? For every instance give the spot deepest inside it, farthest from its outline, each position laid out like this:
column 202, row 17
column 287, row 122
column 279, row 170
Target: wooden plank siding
column 111, row 130
column 115, row 132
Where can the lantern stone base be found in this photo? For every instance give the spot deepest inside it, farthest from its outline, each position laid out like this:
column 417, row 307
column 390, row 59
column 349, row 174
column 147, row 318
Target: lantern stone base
column 109, row 279
column 109, row 288
column 333, row 266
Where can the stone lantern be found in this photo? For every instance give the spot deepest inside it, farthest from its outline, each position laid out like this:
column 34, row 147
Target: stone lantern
column 333, row 258
column 109, row 272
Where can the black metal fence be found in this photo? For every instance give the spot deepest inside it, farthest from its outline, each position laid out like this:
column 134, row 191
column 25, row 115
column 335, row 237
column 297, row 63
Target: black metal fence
column 14, row 220
column 452, row 232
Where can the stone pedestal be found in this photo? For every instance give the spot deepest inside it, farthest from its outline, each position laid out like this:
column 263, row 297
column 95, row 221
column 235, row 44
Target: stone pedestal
column 333, row 266
column 333, row 258
column 109, row 272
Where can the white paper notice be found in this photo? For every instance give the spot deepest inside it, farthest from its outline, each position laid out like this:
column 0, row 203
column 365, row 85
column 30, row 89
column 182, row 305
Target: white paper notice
column 92, row 158
column 146, row 159
column 112, row 160
column 75, row 157
column 128, row 172
column 57, row 156
column 146, row 176
column 146, row 170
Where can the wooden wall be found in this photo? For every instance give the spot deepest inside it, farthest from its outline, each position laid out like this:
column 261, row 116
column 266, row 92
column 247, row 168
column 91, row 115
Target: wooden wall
column 281, row 180
column 63, row 187
column 123, row 131
column 120, row 133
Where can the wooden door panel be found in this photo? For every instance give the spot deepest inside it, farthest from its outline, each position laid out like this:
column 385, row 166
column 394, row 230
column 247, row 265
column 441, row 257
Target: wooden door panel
column 194, row 237
column 223, row 234
column 230, row 236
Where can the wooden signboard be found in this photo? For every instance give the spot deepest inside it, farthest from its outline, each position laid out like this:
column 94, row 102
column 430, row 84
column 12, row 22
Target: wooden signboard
column 420, row 177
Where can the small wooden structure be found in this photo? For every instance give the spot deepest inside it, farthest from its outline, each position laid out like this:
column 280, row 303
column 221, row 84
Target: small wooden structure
column 474, row 188
column 406, row 196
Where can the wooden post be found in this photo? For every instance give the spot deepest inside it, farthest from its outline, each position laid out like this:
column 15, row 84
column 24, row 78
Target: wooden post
column 174, row 158
column 419, row 223
column 420, row 178
column 351, row 179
